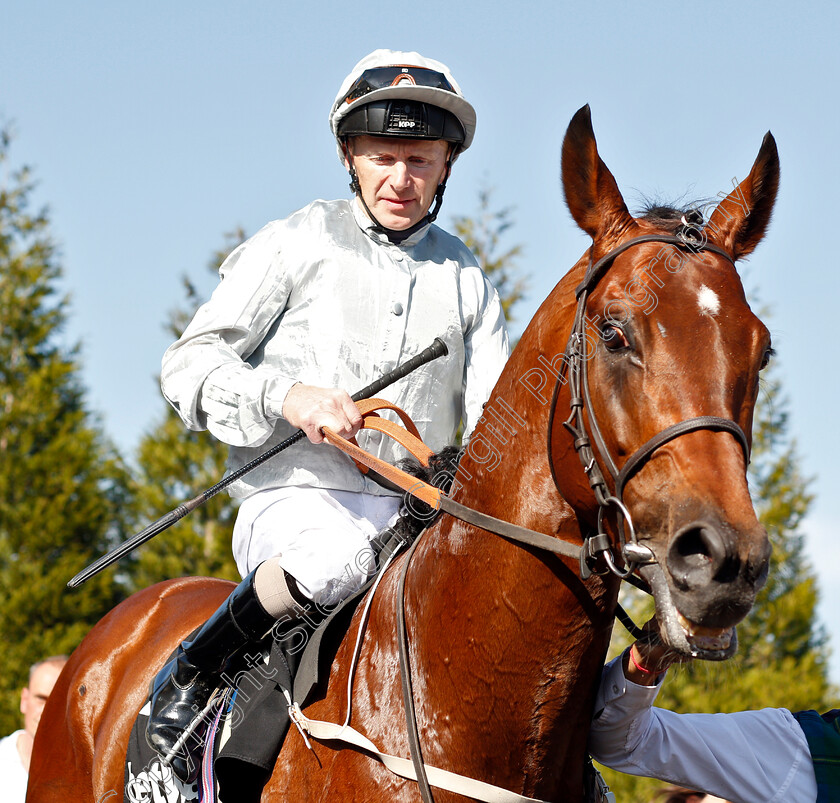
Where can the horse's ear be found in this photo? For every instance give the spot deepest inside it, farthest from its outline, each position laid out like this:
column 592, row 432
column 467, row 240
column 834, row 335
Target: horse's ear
column 740, row 220
column 592, row 195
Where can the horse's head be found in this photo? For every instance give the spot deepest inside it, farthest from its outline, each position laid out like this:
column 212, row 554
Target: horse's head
column 668, row 379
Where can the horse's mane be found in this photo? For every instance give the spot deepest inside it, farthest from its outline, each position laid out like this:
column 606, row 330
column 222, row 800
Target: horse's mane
column 668, row 215
column 440, row 472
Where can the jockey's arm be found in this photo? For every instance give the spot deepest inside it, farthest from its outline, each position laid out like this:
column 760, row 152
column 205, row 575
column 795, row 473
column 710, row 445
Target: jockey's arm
column 486, row 347
column 205, row 375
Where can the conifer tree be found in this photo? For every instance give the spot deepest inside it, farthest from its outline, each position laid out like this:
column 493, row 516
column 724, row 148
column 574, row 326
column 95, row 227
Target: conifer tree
column 62, row 486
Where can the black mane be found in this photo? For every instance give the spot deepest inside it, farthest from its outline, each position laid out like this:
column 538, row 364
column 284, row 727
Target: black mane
column 669, row 215
column 415, row 515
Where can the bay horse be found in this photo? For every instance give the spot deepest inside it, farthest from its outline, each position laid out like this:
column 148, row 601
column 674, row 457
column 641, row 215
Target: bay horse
column 507, row 641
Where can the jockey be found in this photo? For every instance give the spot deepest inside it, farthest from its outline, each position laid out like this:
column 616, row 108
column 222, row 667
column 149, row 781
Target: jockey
column 309, row 309
column 749, row 756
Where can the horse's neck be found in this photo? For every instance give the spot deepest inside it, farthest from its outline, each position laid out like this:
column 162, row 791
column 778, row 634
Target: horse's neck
column 505, row 469
column 507, row 664
column 515, row 638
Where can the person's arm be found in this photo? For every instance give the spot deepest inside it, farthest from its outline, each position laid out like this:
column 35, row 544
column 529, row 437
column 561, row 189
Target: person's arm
column 205, row 376
column 745, row 756
column 486, row 348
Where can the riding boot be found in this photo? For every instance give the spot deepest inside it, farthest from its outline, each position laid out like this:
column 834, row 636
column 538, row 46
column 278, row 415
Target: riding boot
column 183, row 687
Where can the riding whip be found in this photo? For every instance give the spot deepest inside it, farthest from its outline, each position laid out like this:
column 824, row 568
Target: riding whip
column 437, row 349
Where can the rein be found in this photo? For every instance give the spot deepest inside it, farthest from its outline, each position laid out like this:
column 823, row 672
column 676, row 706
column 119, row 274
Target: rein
column 428, row 493
column 417, row 769
column 426, row 776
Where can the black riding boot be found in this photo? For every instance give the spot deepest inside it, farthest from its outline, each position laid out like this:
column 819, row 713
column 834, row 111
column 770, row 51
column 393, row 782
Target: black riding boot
column 183, row 687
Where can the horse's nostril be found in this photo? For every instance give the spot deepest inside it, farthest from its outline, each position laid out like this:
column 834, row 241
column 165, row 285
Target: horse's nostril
column 758, row 564
column 692, row 547
column 698, row 555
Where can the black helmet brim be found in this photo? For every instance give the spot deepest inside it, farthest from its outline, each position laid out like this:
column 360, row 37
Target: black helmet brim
column 398, row 117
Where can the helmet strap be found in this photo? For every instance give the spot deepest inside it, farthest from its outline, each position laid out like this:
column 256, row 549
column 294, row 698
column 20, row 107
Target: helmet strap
column 397, row 236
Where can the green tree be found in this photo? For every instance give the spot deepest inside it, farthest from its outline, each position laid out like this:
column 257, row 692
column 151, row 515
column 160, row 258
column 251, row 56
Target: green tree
column 175, row 464
column 781, row 638
column 63, row 488
column 483, row 233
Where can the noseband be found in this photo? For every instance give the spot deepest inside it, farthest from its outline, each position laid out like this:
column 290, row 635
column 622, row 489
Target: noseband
column 575, row 360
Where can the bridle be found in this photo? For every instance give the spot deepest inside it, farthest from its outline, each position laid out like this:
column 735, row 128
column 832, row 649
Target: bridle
column 575, row 361
column 598, row 545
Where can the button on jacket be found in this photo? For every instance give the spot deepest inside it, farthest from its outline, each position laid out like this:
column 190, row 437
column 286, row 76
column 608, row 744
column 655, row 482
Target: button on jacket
column 321, row 298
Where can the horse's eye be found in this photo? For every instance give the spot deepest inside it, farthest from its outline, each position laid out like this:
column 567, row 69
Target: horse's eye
column 765, row 360
column 613, row 336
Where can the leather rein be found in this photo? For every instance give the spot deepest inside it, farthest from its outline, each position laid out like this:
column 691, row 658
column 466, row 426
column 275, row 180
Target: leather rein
column 576, row 357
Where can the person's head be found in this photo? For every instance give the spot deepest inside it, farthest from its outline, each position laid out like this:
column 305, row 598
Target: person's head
column 42, row 678
column 400, row 120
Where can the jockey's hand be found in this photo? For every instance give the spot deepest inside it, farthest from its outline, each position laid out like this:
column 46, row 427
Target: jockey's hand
column 648, row 658
column 309, row 408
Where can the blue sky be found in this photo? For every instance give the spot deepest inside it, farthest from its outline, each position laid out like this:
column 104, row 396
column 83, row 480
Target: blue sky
column 155, row 128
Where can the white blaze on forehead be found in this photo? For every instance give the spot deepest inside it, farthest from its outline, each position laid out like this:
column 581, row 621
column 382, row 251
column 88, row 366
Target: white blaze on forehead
column 662, row 329
column 708, row 301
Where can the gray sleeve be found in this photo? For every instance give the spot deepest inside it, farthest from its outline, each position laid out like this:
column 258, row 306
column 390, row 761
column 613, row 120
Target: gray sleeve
column 205, row 376
column 486, row 347
column 759, row 756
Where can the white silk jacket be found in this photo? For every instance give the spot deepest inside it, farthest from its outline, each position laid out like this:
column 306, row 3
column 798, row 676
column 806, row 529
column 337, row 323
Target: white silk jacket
column 321, row 298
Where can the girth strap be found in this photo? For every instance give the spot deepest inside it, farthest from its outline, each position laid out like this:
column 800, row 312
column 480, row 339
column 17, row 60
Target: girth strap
column 442, row 779
column 414, row 748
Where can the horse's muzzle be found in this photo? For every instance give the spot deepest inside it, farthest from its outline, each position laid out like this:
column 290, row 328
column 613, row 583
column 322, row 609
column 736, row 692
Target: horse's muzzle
column 715, row 571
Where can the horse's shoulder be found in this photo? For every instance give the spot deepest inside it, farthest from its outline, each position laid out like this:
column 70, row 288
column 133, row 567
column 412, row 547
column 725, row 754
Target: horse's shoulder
column 178, row 606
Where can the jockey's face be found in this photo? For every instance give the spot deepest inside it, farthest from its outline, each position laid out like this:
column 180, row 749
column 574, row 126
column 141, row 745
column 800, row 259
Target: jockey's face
column 398, row 177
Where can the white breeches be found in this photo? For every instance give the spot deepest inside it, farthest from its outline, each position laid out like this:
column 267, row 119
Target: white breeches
column 320, row 537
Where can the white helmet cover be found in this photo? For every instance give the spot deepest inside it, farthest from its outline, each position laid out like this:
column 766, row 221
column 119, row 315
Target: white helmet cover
column 453, row 102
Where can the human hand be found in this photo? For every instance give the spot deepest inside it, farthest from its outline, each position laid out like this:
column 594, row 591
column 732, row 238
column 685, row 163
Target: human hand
column 648, row 657
column 310, row 408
